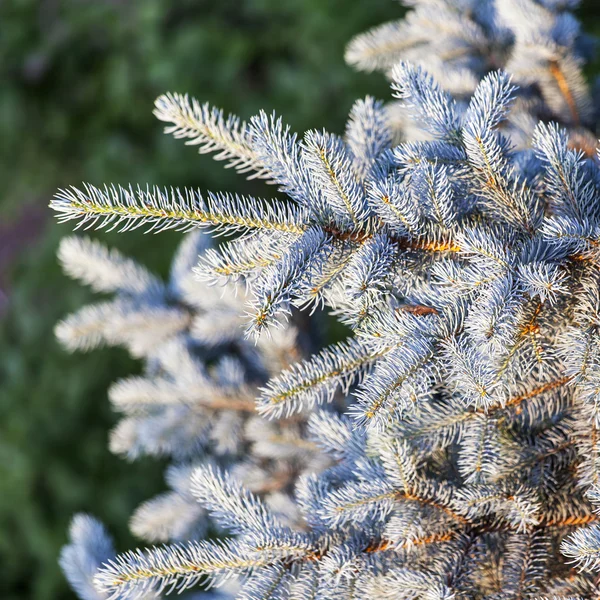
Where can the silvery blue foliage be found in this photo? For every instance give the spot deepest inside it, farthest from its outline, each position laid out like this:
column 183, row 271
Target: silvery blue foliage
column 450, row 447
column 89, row 549
column 460, row 41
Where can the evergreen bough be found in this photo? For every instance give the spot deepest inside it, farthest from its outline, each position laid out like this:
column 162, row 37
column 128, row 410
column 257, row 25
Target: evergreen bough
column 450, row 447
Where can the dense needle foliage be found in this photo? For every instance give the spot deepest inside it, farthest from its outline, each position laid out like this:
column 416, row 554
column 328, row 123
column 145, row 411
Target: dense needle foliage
column 79, row 80
column 449, row 448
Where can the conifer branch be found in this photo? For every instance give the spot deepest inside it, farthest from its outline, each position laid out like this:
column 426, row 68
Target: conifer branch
column 156, row 209
column 206, row 127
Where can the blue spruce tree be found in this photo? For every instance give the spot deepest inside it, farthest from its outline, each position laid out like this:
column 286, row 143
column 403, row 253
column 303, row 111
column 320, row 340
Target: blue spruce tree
column 450, row 447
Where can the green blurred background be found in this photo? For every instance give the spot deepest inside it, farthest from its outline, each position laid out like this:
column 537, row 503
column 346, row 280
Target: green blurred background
column 78, row 81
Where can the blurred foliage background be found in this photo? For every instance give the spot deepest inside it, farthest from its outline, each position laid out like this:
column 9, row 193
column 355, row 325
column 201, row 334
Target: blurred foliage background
column 79, row 78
